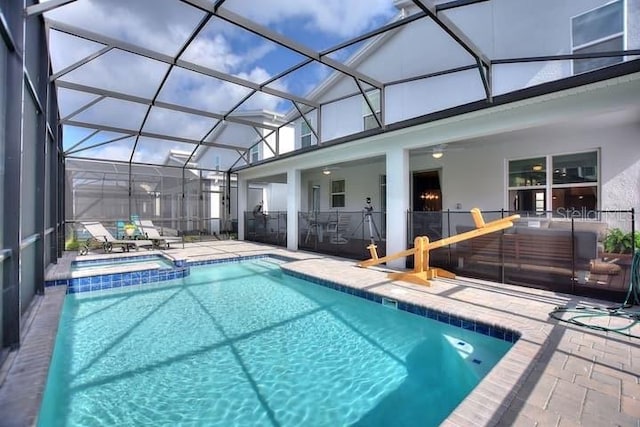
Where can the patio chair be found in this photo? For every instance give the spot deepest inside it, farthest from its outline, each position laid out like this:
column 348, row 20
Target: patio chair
column 339, row 227
column 151, row 232
column 101, row 237
column 315, row 226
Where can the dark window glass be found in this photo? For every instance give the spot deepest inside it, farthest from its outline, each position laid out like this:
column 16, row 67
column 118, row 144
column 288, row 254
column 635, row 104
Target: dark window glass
column 575, row 168
column 598, row 24
column 583, row 199
column 527, row 172
column 584, row 65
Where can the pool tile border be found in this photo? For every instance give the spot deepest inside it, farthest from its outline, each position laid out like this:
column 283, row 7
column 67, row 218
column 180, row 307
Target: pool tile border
column 183, row 269
column 494, row 331
column 118, row 280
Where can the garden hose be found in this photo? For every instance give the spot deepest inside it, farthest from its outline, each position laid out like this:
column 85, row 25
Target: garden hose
column 577, row 314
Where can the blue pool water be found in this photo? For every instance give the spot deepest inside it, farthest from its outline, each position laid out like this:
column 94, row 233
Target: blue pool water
column 245, row 344
column 152, row 261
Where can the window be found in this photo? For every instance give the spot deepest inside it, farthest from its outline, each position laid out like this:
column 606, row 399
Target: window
column 338, row 195
column 572, row 184
column 599, row 30
column 254, row 153
column 305, row 134
column 370, row 121
column 575, row 181
column 527, row 185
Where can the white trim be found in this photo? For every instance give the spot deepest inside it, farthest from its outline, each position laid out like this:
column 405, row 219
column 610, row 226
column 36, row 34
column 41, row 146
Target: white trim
column 550, row 186
column 539, row 110
column 257, row 149
column 340, row 193
column 303, row 135
column 367, row 112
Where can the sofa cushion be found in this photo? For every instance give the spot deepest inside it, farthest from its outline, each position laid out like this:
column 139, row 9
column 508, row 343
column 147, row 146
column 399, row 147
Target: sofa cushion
column 586, row 242
column 600, row 228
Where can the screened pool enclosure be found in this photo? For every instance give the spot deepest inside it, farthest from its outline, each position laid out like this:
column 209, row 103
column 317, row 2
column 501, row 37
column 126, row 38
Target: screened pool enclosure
column 190, row 113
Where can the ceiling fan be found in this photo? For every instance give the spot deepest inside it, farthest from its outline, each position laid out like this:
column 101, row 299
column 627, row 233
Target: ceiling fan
column 437, row 151
column 327, row 170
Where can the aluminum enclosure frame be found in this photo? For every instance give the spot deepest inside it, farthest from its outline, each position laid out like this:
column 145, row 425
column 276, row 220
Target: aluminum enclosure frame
column 300, row 106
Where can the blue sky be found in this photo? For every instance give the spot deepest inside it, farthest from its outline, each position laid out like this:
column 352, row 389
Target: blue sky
column 164, row 25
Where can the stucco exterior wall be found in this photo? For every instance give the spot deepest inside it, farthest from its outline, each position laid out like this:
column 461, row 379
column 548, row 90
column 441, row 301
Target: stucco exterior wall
column 500, row 29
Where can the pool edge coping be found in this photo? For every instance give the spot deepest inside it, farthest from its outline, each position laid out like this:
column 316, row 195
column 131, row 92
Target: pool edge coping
column 493, row 388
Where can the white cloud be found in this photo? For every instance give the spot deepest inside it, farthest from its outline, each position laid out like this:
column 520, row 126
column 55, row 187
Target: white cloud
column 120, row 150
column 114, row 113
column 225, row 51
column 119, row 71
column 161, row 25
column 192, row 89
column 262, row 100
column 175, row 123
column 334, row 17
column 214, row 52
column 155, row 151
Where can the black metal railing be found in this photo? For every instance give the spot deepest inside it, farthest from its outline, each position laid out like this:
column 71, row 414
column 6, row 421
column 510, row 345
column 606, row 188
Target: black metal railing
column 580, row 252
column 342, row 233
column 266, row 227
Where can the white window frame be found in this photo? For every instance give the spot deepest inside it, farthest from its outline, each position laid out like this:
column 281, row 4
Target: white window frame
column 621, row 34
column 549, row 186
column 339, row 193
column 544, row 187
column 373, row 95
column 304, row 135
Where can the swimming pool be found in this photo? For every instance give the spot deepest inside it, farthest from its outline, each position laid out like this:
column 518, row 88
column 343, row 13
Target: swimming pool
column 245, row 344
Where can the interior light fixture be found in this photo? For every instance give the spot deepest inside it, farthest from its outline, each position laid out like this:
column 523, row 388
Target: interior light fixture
column 437, row 154
column 537, row 168
column 326, row 171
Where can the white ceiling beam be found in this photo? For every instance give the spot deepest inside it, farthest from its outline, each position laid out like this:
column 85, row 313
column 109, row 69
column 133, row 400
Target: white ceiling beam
column 159, row 104
column 80, row 63
column 134, row 132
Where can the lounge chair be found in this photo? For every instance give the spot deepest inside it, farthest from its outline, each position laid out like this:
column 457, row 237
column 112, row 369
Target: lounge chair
column 151, row 232
column 101, row 237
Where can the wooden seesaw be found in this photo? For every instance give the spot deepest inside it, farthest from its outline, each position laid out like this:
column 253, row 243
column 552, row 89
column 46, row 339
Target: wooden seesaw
column 422, row 273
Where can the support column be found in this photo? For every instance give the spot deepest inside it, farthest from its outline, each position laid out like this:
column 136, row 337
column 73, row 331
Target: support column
column 14, row 95
column 243, row 193
column 398, row 203
column 293, row 207
column 53, row 199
